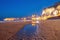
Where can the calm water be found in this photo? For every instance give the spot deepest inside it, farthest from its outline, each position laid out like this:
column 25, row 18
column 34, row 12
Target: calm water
column 26, row 33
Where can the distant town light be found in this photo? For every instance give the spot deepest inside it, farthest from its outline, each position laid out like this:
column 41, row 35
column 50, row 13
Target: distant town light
column 37, row 21
column 9, row 19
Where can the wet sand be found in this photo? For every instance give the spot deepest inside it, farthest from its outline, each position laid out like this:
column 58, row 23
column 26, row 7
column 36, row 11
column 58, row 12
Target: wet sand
column 8, row 29
column 50, row 29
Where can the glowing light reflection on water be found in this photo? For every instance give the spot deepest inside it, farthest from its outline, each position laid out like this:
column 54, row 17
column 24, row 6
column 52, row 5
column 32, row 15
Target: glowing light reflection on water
column 27, row 33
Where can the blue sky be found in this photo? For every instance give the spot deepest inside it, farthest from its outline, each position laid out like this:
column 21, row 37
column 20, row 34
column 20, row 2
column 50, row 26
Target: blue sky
column 22, row 8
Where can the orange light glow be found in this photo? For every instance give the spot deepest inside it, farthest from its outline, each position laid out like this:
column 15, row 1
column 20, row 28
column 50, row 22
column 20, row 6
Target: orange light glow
column 51, row 12
column 9, row 19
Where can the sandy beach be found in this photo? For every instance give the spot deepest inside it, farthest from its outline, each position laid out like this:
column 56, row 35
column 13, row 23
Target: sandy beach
column 50, row 29
column 8, row 29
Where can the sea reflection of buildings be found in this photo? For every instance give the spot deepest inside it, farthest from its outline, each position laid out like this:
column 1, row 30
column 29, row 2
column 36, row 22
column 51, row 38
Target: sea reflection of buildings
column 23, row 36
